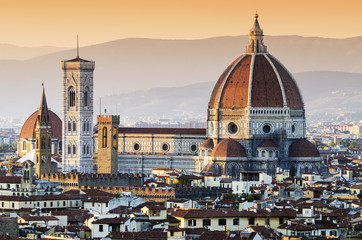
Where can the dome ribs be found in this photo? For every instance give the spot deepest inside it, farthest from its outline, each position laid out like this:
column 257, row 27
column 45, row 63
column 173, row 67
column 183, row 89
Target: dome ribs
column 235, row 91
column 213, row 103
column 265, row 91
column 292, row 93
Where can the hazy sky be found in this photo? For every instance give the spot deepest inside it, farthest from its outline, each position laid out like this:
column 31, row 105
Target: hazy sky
column 56, row 23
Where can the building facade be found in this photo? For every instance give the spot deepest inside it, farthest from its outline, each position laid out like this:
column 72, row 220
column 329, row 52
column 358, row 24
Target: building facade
column 78, row 115
column 256, row 117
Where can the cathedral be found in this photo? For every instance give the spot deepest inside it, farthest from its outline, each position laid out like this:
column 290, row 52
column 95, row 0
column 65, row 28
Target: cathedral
column 255, row 122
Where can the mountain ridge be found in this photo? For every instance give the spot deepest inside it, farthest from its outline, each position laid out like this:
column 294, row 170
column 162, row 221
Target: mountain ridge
column 127, row 65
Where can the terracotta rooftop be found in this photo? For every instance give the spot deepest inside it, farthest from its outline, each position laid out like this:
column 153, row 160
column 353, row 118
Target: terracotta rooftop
column 228, row 148
column 232, row 89
column 268, row 144
column 209, row 143
column 10, row 179
column 303, row 148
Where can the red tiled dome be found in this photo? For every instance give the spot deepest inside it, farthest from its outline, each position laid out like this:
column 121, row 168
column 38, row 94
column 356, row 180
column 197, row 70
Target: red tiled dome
column 303, row 148
column 256, row 81
column 209, row 143
column 28, row 129
column 228, row 148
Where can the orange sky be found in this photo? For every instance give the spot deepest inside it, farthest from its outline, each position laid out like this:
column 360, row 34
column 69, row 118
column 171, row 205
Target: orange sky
column 56, row 23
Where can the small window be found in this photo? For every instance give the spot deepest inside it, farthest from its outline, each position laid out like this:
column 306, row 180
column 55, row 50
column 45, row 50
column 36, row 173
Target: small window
column 71, row 97
column 136, row 146
column 63, row 203
column 266, row 128
column 101, row 228
column 74, row 150
column 236, row 221
column 206, row 222
column 252, row 221
column 165, row 147
column 192, row 222
column 69, row 126
column 281, row 220
column 74, row 127
column 86, row 98
column 104, row 137
column 232, row 128
column 222, row 222
column 193, row 148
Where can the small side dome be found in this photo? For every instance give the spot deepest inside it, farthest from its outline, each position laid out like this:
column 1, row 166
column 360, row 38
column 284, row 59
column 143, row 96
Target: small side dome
column 303, row 148
column 208, row 144
column 268, row 144
column 228, row 148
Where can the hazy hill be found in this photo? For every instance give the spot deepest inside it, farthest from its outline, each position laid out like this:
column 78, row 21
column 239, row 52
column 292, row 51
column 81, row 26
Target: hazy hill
column 128, row 65
column 323, row 92
column 13, row 52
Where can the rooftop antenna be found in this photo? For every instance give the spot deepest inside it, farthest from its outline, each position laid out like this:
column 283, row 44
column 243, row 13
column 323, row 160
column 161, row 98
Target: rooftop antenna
column 100, row 106
column 77, row 47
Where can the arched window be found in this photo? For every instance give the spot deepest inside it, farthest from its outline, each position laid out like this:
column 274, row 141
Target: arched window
column 42, row 143
column 263, row 153
column 84, row 149
column 74, row 150
column 69, row 150
column 86, row 97
column 104, row 137
column 24, row 145
column 88, row 149
column 88, row 126
column 74, row 126
column 71, row 97
column 114, row 137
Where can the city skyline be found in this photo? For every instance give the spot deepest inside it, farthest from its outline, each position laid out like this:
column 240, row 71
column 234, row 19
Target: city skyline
column 56, row 23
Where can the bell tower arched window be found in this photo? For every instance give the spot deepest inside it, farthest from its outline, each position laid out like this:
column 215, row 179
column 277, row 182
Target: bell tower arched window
column 104, row 137
column 86, row 97
column 42, row 143
column 71, row 97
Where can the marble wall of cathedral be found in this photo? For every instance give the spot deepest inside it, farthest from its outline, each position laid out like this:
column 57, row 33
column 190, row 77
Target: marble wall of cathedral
column 256, row 121
column 143, row 152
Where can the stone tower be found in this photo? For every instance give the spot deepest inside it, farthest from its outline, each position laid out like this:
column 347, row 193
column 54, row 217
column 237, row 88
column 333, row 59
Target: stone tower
column 107, row 156
column 43, row 137
column 77, row 115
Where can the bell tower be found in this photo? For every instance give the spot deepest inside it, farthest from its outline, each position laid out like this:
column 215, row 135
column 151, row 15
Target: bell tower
column 77, row 115
column 43, row 137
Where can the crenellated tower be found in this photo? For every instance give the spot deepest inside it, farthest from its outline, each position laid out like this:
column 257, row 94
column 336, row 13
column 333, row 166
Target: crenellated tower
column 107, row 154
column 78, row 115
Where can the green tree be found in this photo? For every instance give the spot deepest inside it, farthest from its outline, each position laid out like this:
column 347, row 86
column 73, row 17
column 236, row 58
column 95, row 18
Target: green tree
column 331, row 144
column 353, row 144
column 318, row 144
column 4, row 147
